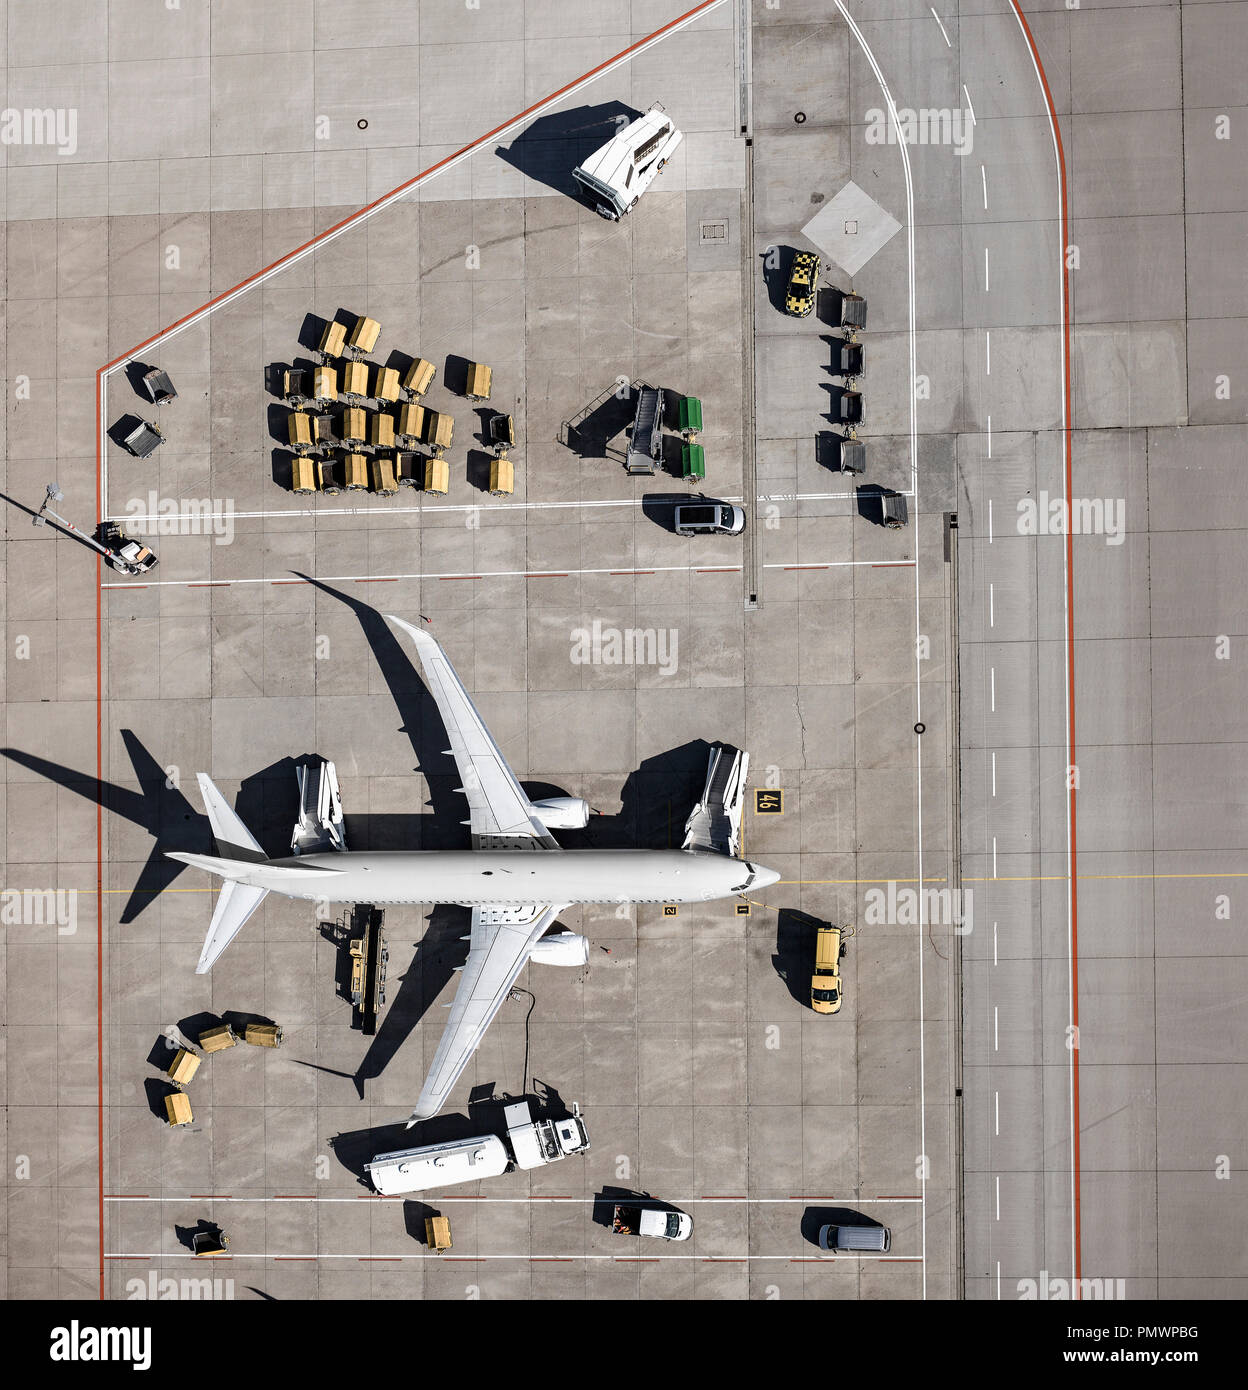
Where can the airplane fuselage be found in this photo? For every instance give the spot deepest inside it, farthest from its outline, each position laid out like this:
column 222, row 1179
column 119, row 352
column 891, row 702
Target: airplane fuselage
column 472, row 877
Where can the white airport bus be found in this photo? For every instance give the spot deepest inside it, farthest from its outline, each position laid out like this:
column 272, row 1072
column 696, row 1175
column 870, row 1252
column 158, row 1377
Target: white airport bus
column 616, row 175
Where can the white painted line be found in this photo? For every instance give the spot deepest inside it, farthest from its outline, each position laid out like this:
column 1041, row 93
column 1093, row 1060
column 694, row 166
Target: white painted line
column 992, row 619
column 994, row 856
column 994, row 774
column 998, row 1196
column 990, row 436
column 983, row 174
column 996, row 1108
column 996, row 1034
column 986, row 278
column 943, row 34
column 998, row 1280
column 647, row 1258
column 994, row 961
column 453, row 575
column 852, row 1199
column 990, row 513
column 969, row 107
column 992, row 686
column 987, row 353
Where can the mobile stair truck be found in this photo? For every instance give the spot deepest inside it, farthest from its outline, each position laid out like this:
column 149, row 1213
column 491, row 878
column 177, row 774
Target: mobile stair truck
column 645, row 449
column 529, row 1144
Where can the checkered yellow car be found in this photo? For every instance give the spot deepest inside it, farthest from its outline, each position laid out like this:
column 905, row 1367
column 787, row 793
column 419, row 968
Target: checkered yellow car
column 799, row 298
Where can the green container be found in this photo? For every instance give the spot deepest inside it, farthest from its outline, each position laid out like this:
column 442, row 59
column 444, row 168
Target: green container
column 692, row 461
column 690, row 414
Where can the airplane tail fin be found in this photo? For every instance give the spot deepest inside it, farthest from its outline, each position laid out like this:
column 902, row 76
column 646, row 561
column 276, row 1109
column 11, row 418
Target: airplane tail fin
column 226, row 825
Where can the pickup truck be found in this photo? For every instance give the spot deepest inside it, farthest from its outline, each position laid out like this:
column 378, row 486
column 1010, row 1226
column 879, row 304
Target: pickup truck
column 649, row 1221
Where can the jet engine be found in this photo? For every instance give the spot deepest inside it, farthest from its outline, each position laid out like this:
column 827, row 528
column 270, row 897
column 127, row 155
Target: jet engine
column 561, row 948
column 563, row 812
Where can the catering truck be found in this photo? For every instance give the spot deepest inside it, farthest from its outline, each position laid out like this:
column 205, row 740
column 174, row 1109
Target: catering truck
column 529, row 1144
column 618, row 173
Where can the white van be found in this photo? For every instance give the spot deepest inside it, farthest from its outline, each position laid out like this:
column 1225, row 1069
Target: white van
column 618, row 173
column 876, row 1240
column 438, row 1165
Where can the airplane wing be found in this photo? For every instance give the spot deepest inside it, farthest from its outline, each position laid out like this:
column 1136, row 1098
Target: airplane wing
column 502, row 939
column 500, row 815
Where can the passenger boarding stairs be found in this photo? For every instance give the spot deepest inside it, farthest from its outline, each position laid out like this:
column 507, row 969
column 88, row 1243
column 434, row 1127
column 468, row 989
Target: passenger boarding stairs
column 715, row 822
column 320, row 825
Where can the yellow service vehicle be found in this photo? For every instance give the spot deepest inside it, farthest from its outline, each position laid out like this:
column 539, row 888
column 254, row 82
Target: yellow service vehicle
column 799, row 298
column 825, row 983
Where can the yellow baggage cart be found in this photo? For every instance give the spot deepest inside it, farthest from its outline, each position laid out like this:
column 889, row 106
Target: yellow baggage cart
column 364, row 335
column 354, row 425
column 354, row 472
column 419, row 377
column 502, row 477
column 183, row 1067
column 299, row 430
column 437, row 475
column 305, row 475
column 411, row 425
column 324, row 386
column 439, row 428
column 437, row 1233
column 385, row 484
column 263, row 1035
column 386, row 385
column 381, row 430
column 178, row 1109
column 217, row 1039
column 333, row 339
column 480, row 378
column 355, row 381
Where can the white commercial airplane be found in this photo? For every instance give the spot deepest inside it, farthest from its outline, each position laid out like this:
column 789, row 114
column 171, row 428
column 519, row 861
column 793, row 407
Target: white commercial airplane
column 516, row 894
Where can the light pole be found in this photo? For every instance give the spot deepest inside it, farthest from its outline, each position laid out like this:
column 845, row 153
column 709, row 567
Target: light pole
column 125, row 563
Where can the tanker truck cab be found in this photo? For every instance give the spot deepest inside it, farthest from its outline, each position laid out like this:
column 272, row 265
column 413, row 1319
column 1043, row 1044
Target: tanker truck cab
column 616, row 175
column 825, row 983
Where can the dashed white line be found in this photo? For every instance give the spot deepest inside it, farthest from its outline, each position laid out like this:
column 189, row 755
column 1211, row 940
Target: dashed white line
column 998, row 1196
column 969, row 107
column 983, row 174
column 994, row 961
column 990, row 436
column 987, row 353
column 943, row 34
column 996, row 1033
column 994, row 856
column 992, row 686
column 994, row 774
column 996, row 1108
column 992, row 618
column 990, row 511
column 985, row 270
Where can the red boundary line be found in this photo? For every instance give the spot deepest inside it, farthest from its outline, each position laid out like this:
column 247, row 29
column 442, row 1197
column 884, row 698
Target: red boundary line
column 99, row 513
column 1071, row 794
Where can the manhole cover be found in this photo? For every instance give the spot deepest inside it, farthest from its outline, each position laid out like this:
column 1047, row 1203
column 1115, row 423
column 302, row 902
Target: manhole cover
column 716, row 230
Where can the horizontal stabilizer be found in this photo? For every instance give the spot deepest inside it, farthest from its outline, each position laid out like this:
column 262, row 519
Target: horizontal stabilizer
column 244, row 868
column 226, row 825
column 235, row 905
